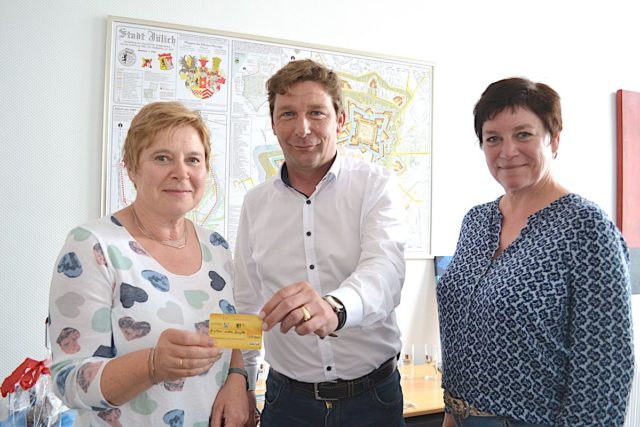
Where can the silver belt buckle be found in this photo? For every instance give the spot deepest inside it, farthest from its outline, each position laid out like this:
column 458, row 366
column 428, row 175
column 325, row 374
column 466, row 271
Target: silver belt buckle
column 316, row 393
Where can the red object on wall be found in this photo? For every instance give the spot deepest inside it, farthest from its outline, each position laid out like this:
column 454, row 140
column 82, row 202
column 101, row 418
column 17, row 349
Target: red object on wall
column 628, row 194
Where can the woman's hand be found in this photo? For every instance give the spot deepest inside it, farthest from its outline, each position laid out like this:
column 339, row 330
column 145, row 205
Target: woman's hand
column 231, row 407
column 181, row 354
column 178, row 354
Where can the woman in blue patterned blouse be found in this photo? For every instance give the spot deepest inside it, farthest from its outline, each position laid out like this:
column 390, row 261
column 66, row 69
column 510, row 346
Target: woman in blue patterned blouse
column 534, row 308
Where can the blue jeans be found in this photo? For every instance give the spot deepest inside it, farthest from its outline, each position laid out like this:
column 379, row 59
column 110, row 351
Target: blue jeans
column 472, row 421
column 381, row 405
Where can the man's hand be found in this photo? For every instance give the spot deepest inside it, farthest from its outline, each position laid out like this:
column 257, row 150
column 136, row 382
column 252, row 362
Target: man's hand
column 286, row 308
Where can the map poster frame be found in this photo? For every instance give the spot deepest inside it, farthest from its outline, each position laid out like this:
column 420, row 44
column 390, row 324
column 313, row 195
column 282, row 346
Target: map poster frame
column 388, row 100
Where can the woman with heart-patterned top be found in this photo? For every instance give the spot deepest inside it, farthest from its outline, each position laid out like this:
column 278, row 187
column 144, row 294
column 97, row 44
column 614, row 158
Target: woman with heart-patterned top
column 132, row 292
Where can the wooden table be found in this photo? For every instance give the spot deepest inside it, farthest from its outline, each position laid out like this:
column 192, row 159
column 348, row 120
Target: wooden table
column 423, row 404
column 421, row 396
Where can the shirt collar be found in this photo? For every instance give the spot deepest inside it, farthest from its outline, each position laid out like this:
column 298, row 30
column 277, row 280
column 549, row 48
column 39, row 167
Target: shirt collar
column 332, row 173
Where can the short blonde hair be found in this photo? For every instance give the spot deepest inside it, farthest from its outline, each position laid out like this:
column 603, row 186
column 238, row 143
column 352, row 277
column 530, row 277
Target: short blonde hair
column 156, row 117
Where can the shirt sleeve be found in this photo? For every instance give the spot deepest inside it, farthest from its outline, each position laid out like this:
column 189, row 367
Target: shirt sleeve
column 373, row 290
column 80, row 302
column 247, row 291
column 600, row 347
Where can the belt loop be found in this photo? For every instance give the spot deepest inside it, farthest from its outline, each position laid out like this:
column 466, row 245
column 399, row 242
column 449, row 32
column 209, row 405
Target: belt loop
column 371, row 382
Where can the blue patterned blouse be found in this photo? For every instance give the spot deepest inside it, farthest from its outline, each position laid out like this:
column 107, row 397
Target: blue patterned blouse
column 542, row 333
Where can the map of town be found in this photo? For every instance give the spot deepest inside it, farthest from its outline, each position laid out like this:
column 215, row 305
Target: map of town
column 388, row 103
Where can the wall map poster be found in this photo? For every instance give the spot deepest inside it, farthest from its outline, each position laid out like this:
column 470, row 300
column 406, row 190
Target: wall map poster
column 388, row 103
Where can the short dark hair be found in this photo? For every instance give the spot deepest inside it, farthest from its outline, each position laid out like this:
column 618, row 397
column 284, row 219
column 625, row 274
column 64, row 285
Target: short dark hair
column 516, row 92
column 300, row 71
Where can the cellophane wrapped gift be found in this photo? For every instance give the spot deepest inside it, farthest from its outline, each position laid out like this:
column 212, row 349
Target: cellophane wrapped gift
column 28, row 399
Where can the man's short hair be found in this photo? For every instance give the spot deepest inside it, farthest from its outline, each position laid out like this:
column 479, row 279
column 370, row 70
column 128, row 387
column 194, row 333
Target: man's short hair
column 301, row 71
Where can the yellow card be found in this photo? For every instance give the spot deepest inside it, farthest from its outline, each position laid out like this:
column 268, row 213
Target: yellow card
column 243, row 331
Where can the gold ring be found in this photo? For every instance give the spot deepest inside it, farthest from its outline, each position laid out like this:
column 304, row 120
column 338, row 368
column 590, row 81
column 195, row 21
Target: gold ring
column 306, row 316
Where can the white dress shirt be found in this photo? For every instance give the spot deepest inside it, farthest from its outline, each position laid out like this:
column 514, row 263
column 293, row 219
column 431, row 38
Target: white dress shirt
column 347, row 239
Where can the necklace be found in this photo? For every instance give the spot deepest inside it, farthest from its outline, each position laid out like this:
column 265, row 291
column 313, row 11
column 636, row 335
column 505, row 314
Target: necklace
column 176, row 244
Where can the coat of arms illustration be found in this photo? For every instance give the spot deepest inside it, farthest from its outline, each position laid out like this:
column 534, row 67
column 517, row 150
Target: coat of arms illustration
column 203, row 81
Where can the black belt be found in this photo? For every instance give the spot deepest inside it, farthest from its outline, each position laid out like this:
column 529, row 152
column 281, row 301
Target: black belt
column 341, row 389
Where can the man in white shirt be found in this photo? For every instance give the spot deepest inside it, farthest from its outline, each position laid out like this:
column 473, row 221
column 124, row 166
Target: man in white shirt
column 320, row 256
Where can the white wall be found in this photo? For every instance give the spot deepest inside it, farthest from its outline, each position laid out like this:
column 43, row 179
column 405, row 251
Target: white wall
column 52, row 81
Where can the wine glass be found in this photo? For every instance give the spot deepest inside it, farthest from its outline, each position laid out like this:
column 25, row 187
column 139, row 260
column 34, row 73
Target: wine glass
column 430, row 358
column 408, row 361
